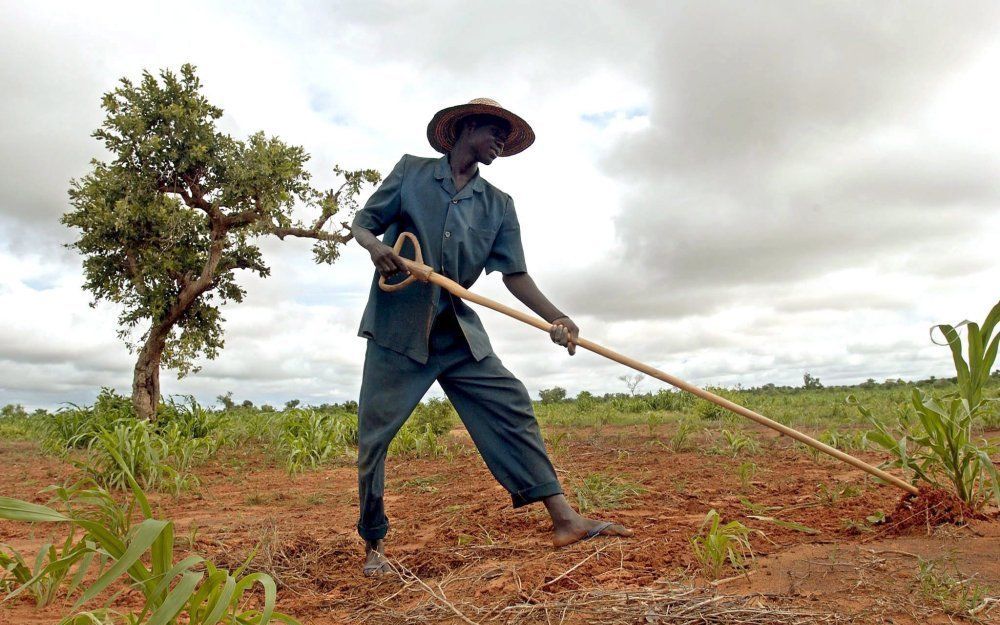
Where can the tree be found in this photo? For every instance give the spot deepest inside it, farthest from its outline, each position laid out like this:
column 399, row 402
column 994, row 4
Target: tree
column 552, row 395
column 632, row 382
column 13, row 411
column 226, row 400
column 811, row 381
column 167, row 222
column 292, row 403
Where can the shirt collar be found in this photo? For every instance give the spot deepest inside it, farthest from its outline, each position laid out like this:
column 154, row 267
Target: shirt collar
column 442, row 172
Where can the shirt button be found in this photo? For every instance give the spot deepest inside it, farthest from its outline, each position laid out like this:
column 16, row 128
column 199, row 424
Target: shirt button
column 447, row 233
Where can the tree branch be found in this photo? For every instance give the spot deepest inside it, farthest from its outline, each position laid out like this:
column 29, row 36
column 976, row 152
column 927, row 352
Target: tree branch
column 311, row 233
column 334, row 197
column 191, row 195
column 132, row 269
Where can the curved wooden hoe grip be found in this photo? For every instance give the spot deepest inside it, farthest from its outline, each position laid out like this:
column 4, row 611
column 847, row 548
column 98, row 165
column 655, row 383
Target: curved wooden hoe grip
column 416, row 267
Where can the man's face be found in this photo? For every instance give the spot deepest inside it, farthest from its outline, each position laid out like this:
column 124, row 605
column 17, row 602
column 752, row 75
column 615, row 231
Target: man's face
column 486, row 140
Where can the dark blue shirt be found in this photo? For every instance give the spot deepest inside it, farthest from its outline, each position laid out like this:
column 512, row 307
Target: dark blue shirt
column 461, row 233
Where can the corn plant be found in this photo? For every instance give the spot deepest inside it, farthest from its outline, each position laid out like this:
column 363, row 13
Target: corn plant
column 830, row 495
column 74, row 427
column 310, row 438
column 192, row 590
column 855, row 441
column 52, row 567
column 982, row 353
column 438, row 413
column 680, row 440
column 556, row 443
column 939, row 448
column 190, row 418
column 746, row 472
column 419, row 441
column 717, row 544
column 155, row 460
column 738, row 443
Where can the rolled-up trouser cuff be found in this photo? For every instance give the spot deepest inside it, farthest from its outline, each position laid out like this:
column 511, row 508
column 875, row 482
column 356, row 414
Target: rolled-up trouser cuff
column 536, row 493
column 372, row 534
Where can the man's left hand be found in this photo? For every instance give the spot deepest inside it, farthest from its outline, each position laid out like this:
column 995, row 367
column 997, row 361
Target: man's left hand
column 565, row 333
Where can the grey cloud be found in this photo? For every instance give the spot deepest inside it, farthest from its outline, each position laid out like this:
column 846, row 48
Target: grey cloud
column 738, row 86
column 757, row 171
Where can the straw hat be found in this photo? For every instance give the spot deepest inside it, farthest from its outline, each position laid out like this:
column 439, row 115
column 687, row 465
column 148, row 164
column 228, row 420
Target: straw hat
column 442, row 131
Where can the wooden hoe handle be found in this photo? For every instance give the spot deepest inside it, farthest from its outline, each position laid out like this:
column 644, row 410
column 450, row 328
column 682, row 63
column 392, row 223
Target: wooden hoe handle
column 419, row 271
column 416, row 267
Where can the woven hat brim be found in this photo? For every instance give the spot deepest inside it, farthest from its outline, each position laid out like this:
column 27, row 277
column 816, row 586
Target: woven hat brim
column 441, row 132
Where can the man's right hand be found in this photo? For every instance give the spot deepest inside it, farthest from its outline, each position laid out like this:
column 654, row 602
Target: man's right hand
column 387, row 261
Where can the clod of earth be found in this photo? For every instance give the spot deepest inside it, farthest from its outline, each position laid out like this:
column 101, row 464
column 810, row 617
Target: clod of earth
column 931, row 508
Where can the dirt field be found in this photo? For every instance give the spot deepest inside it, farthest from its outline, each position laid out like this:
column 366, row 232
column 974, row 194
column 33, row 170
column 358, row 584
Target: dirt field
column 464, row 556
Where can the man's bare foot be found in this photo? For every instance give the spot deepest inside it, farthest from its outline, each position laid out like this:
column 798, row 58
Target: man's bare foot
column 375, row 562
column 582, row 529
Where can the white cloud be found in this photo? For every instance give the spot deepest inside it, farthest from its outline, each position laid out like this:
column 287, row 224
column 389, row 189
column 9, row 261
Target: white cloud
column 733, row 192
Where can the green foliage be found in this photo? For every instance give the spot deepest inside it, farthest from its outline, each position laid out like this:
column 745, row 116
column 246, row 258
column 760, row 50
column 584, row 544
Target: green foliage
column 156, row 460
column 935, row 443
column 190, row 419
column 309, row 438
column 851, row 441
column 74, row 427
column 552, row 395
column 653, row 421
column 52, row 567
column 680, row 440
column 585, row 401
column 717, row 544
column 973, row 373
column 711, row 411
column 737, row 443
column 601, row 492
column 811, row 381
column 830, row 495
column 165, row 224
column 555, row 443
column 15, row 423
column 955, row 594
column 746, row 472
column 192, row 590
column 13, row 411
column 417, row 441
column 668, row 400
column 158, row 454
column 437, row 413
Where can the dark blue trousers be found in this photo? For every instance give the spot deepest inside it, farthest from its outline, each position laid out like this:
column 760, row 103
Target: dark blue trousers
column 492, row 403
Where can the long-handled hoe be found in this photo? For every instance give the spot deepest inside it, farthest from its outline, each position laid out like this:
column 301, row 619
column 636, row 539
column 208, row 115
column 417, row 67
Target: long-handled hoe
column 419, row 271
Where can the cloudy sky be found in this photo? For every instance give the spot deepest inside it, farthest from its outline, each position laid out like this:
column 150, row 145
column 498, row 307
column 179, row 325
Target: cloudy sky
column 734, row 192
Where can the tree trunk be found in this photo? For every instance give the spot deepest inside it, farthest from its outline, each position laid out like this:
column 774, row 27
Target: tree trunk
column 146, row 378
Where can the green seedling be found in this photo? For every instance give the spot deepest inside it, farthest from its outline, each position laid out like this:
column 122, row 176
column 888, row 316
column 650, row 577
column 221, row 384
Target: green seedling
column 746, row 472
column 719, row 543
column 600, row 492
column 192, row 589
column 680, row 440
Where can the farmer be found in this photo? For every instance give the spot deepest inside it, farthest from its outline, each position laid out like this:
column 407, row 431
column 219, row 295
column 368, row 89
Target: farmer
column 421, row 333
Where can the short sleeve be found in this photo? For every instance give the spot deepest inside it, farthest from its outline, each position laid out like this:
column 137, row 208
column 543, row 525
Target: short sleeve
column 507, row 255
column 382, row 208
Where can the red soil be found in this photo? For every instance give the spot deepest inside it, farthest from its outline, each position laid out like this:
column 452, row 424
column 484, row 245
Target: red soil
column 454, row 529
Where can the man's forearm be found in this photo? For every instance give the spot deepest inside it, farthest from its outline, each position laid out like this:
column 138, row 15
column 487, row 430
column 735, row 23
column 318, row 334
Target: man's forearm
column 364, row 237
column 524, row 288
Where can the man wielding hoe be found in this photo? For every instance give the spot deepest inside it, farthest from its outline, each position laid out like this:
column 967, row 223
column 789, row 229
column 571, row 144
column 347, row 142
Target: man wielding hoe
column 421, row 333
